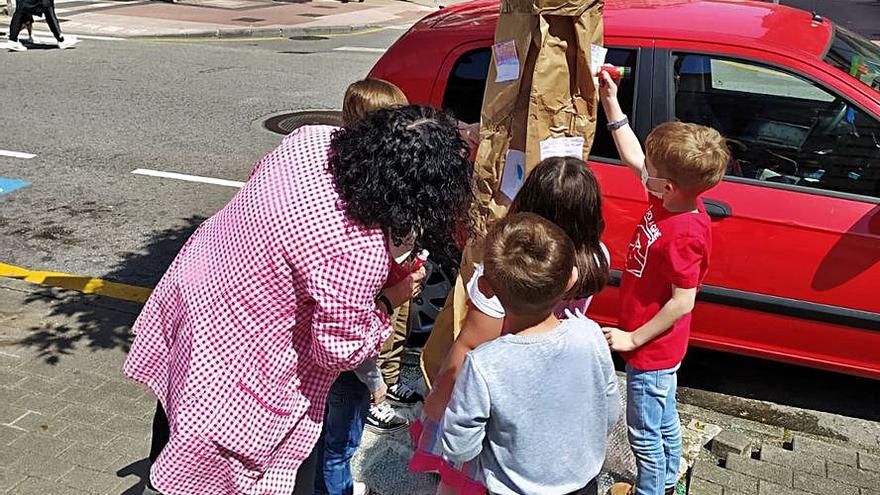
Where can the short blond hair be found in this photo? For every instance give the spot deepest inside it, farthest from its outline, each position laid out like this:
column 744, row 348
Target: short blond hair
column 367, row 96
column 528, row 262
column 693, row 156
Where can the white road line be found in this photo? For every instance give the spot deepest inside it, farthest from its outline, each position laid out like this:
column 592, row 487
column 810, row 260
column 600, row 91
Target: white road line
column 47, row 34
column 188, row 178
column 362, row 49
column 17, row 154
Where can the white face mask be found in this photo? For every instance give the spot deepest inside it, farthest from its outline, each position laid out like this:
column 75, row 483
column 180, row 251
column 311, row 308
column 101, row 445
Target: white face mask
column 645, row 178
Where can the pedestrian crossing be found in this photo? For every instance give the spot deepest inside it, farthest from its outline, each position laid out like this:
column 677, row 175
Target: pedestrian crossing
column 68, row 7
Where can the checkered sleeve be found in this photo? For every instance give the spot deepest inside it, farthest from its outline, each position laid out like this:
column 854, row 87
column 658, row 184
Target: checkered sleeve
column 347, row 327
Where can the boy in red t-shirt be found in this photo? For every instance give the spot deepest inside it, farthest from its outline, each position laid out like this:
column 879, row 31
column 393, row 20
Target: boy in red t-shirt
column 667, row 261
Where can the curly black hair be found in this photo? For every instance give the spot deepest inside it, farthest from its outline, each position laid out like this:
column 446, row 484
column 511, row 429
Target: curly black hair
column 406, row 170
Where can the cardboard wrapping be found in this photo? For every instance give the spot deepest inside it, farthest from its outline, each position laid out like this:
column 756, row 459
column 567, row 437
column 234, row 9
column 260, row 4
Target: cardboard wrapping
column 554, row 96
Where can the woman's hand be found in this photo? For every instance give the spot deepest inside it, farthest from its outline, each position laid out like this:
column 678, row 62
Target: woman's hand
column 406, row 289
column 607, row 88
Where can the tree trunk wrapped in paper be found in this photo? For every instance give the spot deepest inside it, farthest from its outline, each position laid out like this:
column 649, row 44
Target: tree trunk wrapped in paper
column 542, row 89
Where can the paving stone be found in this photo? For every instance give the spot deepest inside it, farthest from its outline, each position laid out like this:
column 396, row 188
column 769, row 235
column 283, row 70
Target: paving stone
column 703, row 487
column 9, row 479
column 725, row 477
column 89, row 481
column 9, row 413
column 42, row 465
column 8, row 435
column 832, row 452
column 82, row 414
column 731, row 442
column 853, row 476
column 123, row 388
column 37, row 486
column 81, row 378
column 869, row 491
column 128, row 426
column 797, row 461
column 42, row 424
column 780, row 475
column 128, row 447
column 76, row 433
column 821, row 485
column 768, row 488
column 40, row 368
column 10, row 378
column 49, row 406
column 90, row 457
column 869, row 462
column 33, row 384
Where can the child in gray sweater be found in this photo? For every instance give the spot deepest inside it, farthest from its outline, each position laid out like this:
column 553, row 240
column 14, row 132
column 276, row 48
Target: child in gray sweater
column 506, row 414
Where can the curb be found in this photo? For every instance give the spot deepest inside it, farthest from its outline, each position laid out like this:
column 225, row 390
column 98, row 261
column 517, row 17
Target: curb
column 276, row 32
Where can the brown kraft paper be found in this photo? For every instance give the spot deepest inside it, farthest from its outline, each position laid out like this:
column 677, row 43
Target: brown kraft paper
column 555, row 96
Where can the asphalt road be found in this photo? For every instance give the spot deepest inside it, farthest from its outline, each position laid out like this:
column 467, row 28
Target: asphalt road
column 93, row 114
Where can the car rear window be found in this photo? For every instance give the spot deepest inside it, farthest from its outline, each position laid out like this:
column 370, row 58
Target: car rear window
column 856, row 56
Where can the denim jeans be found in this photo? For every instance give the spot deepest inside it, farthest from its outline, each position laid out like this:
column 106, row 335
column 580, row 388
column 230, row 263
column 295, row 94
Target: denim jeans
column 348, row 404
column 653, row 428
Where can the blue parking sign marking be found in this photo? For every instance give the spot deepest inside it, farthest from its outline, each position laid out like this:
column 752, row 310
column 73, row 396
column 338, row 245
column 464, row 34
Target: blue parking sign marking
column 9, row 185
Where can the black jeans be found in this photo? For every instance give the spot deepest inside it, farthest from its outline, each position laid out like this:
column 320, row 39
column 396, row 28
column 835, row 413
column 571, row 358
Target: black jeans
column 26, row 9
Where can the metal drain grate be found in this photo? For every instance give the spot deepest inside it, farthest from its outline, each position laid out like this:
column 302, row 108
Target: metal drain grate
column 308, row 38
column 312, row 15
column 248, row 19
column 289, row 122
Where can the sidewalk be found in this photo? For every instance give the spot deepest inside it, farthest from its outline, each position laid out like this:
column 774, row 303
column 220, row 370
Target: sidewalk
column 232, row 18
column 71, row 423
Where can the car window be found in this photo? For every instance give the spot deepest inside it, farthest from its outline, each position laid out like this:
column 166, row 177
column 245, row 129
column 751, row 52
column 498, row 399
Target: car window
column 467, row 81
column 781, row 127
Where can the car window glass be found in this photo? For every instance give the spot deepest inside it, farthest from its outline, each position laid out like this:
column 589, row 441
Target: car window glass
column 781, row 127
column 467, row 81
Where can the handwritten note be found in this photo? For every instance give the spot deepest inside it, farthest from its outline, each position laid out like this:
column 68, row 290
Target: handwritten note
column 564, row 146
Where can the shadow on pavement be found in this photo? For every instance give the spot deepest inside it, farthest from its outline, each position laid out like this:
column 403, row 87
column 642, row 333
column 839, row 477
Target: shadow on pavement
column 102, row 323
column 141, row 469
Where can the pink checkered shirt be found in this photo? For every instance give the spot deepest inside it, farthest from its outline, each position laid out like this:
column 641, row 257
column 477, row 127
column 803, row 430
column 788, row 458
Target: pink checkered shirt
column 263, row 306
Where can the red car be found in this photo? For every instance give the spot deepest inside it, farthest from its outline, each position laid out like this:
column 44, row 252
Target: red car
column 794, row 273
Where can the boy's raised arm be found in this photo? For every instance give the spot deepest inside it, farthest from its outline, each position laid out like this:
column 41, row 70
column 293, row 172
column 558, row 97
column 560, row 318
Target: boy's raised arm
column 628, row 146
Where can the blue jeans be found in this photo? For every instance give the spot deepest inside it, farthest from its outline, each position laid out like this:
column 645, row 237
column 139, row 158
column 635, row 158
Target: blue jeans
column 348, row 404
column 653, row 428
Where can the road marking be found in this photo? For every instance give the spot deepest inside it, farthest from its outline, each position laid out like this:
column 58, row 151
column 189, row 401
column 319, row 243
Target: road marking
column 17, row 154
column 86, row 285
column 188, row 178
column 9, row 185
column 81, row 36
column 360, row 49
column 7, row 354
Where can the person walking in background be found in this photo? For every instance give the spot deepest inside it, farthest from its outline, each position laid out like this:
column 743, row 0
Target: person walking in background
column 25, row 10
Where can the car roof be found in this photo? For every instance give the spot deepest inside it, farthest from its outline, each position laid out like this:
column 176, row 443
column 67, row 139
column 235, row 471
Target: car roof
column 762, row 25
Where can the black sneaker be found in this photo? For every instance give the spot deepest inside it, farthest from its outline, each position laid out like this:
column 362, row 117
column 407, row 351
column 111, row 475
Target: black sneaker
column 403, row 395
column 383, row 419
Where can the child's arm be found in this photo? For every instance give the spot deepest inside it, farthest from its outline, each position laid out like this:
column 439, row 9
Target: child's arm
column 681, row 303
column 628, row 146
column 477, row 328
column 464, row 424
column 370, row 375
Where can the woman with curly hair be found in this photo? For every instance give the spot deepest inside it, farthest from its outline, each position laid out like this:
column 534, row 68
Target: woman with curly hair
column 282, row 289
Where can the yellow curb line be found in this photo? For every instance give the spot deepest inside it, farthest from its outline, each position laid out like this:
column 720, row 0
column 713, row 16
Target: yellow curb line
column 86, row 285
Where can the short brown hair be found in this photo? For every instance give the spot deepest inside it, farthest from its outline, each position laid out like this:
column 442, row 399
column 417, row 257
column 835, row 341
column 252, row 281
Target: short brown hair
column 692, row 156
column 367, row 96
column 528, row 261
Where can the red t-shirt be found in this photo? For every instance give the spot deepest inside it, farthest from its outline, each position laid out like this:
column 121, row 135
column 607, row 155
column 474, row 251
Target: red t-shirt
column 667, row 249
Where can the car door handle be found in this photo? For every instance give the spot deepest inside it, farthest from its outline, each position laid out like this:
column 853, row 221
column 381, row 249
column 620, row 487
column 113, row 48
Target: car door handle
column 717, row 209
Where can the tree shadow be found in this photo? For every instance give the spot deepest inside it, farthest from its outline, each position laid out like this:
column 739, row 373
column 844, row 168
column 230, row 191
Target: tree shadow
column 98, row 323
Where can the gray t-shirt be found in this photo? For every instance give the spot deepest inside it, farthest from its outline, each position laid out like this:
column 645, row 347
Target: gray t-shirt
column 535, row 410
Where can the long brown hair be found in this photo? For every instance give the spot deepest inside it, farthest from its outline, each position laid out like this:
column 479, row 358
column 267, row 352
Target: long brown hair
column 565, row 192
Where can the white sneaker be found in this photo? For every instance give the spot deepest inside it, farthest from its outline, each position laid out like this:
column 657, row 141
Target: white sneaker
column 16, row 46
column 360, row 488
column 68, row 42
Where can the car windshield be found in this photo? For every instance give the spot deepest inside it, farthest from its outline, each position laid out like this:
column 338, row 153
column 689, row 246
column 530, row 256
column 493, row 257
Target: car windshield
column 856, row 56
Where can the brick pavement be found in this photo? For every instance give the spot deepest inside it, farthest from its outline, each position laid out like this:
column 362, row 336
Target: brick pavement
column 798, row 465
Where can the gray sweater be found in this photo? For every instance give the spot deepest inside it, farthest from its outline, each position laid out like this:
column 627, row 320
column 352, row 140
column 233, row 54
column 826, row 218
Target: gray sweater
column 535, row 410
